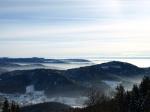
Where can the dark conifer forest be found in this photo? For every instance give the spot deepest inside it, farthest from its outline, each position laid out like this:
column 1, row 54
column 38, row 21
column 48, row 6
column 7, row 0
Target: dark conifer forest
column 10, row 107
column 136, row 100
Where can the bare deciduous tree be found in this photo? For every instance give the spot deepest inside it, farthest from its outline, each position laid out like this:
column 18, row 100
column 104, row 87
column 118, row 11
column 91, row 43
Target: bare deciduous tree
column 95, row 97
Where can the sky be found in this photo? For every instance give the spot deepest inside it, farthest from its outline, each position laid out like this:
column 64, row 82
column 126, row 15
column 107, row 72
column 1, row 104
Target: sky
column 74, row 28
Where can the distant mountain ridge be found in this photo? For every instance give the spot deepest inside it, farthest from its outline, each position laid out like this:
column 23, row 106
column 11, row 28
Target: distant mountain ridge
column 72, row 80
column 2, row 70
column 46, row 107
column 39, row 60
column 105, row 71
column 52, row 81
column 8, row 64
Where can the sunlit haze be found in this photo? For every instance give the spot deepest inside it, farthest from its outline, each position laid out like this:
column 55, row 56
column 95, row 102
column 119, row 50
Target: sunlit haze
column 74, row 28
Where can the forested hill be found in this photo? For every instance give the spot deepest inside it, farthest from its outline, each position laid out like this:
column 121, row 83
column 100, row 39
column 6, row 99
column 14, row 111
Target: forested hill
column 136, row 100
column 56, row 81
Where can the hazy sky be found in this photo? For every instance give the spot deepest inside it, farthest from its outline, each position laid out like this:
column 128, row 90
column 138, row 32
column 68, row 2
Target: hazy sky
column 74, row 28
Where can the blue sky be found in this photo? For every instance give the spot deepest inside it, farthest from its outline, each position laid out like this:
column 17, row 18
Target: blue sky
column 74, row 28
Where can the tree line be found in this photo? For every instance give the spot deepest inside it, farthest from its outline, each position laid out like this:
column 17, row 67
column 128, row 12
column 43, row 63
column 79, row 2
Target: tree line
column 136, row 100
column 10, row 107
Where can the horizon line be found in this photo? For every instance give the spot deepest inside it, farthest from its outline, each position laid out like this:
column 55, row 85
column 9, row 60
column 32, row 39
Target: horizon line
column 89, row 57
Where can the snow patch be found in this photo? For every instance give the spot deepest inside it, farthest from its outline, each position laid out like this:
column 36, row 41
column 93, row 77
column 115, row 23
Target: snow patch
column 112, row 84
column 108, row 67
column 105, row 67
column 30, row 89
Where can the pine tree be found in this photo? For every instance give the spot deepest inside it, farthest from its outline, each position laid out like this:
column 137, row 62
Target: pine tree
column 144, row 89
column 144, row 86
column 17, row 108
column 120, row 99
column 135, row 104
column 127, row 101
column 146, row 103
column 5, row 107
column 13, row 107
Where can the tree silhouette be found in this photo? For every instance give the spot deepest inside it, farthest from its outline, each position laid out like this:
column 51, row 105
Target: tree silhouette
column 120, row 98
column 136, row 100
column 5, row 107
